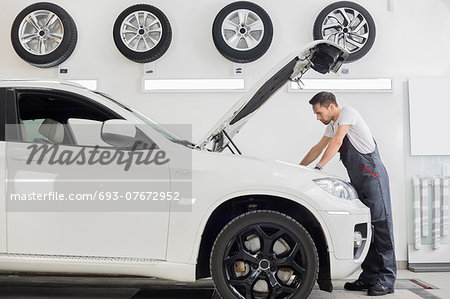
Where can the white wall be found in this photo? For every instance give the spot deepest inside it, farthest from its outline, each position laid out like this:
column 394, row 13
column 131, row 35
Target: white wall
column 411, row 42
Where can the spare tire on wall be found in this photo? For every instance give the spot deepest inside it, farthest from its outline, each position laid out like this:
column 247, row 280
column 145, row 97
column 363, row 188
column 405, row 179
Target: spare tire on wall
column 142, row 33
column 242, row 32
column 44, row 34
column 348, row 24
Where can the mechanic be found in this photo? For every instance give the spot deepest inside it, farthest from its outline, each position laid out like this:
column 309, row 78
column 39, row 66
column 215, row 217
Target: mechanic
column 348, row 134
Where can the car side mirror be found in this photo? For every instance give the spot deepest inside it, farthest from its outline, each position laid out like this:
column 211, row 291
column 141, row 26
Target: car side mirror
column 119, row 133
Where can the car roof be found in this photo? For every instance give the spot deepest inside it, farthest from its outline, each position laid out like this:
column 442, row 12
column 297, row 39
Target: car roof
column 41, row 83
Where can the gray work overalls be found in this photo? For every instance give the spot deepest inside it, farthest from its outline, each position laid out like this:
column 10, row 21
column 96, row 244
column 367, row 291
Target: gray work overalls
column 370, row 179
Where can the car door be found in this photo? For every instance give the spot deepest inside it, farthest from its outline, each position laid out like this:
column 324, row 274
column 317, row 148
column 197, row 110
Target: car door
column 84, row 208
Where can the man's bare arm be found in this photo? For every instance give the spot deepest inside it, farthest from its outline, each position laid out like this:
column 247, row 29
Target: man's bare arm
column 315, row 151
column 334, row 144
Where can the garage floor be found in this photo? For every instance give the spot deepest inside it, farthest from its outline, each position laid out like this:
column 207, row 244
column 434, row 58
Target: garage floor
column 409, row 285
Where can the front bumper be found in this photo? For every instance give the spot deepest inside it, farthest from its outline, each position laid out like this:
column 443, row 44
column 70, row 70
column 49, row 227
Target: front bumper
column 345, row 258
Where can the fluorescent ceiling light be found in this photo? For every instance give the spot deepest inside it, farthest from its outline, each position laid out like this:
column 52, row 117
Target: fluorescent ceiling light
column 90, row 84
column 236, row 84
column 382, row 84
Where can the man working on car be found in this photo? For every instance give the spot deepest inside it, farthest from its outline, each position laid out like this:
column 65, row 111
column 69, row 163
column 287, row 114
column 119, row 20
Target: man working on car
column 348, row 134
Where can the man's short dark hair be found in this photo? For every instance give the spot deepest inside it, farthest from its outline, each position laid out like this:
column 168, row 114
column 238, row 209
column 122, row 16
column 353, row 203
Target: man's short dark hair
column 324, row 98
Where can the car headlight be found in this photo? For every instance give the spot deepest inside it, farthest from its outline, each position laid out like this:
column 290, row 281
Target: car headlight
column 337, row 187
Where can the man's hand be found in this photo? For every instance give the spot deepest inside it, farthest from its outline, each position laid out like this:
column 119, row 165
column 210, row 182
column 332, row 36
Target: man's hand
column 315, row 151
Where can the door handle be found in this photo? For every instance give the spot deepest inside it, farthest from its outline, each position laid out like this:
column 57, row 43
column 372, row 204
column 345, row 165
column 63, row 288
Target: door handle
column 22, row 155
column 183, row 171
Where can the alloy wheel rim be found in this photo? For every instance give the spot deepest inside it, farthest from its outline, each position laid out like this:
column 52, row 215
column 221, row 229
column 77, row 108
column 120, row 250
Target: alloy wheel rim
column 275, row 268
column 141, row 31
column 41, row 32
column 347, row 27
column 242, row 30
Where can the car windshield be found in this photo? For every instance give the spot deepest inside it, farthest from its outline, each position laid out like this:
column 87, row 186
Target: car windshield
column 157, row 127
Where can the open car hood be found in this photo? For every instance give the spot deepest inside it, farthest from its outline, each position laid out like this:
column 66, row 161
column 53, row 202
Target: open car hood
column 322, row 56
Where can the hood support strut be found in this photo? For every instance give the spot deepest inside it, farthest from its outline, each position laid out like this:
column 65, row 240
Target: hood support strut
column 219, row 141
column 231, row 141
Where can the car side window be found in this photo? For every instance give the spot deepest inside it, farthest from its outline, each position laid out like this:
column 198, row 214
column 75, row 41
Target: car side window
column 61, row 118
column 29, row 129
column 43, row 116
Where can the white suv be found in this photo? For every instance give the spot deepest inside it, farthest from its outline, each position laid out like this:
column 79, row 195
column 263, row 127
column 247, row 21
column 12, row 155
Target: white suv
column 92, row 186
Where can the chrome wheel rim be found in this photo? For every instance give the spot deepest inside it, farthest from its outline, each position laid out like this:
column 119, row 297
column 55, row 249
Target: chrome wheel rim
column 347, row 27
column 242, row 30
column 141, row 31
column 41, row 32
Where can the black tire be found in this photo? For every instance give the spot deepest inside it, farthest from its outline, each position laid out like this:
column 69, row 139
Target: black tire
column 358, row 41
column 44, row 31
column 239, row 269
column 151, row 44
column 242, row 52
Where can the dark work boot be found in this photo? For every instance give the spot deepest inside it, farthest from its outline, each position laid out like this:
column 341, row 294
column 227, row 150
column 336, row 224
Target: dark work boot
column 357, row 285
column 380, row 290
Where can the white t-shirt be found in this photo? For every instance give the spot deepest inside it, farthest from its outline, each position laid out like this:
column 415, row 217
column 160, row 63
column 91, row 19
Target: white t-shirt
column 359, row 133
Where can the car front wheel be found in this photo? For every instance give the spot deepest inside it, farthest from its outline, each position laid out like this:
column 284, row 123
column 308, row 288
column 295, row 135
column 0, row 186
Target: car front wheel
column 264, row 254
